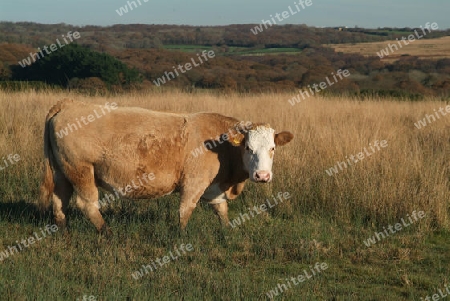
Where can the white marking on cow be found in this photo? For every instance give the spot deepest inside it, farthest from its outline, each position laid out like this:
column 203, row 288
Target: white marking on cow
column 214, row 194
column 258, row 156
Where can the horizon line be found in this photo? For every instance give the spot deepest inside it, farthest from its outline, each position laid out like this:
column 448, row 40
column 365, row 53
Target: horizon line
column 231, row 24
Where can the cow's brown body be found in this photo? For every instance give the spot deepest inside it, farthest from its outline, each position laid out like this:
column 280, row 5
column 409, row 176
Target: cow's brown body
column 121, row 145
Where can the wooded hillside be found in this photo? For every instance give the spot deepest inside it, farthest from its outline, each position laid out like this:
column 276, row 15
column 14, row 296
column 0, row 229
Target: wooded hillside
column 278, row 58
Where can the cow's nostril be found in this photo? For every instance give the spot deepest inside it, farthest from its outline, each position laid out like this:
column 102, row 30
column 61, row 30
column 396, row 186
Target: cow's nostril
column 262, row 176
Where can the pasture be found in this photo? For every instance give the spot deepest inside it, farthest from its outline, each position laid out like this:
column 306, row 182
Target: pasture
column 425, row 49
column 327, row 220
column 235, row 50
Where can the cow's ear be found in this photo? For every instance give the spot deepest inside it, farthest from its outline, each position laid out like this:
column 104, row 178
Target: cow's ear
column 283, row 138
column 237, row 139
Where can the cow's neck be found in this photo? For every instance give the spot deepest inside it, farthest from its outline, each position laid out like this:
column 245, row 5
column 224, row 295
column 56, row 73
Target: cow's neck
column 234, row 181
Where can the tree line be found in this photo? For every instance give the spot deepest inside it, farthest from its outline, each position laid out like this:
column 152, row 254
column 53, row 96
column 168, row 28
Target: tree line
column 106, row 58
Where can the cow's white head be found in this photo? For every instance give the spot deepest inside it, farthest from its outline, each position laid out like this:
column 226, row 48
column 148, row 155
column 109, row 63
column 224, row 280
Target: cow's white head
column 258, row 147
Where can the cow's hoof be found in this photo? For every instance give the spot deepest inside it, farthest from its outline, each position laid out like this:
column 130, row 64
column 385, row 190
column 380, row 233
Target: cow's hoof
column 105, row 231
column 62, row 224
column 182, row 232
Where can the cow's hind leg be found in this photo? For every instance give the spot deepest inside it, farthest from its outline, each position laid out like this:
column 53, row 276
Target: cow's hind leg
column 88, row 204
column 87, row 201
column 61, row 198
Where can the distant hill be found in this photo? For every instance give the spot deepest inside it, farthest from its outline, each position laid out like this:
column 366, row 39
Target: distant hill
column 143, row 36
column 279, row 58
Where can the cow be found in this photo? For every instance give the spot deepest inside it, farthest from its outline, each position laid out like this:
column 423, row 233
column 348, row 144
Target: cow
column 88, row 146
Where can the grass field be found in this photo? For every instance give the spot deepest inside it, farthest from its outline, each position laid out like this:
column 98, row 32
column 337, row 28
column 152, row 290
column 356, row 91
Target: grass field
column 327, row 220
column 235, row 50
column 425, row 48
column 187, row 48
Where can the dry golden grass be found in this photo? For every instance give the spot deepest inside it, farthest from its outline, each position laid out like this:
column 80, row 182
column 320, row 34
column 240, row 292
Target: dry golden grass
column 328, row 219
column 424, row 48
column 411, row 173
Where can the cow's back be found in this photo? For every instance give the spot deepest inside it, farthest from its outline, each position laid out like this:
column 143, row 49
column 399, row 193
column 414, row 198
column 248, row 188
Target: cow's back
column 122, row 145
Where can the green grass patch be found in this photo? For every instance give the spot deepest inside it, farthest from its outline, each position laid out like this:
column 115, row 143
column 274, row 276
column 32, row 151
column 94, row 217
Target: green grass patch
column 263, row 51
column 188, row 48
column 232, row 50
column 242, row 263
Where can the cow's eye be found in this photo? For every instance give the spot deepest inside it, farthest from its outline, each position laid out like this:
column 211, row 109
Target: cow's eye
column 272, row 149
column 247, row 148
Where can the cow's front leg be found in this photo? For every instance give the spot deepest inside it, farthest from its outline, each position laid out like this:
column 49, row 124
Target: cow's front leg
column 221, row 209
column 190, row 195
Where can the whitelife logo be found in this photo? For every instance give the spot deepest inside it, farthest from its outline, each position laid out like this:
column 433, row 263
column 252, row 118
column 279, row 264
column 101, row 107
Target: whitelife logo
column 165, row 260
column 359, row 155
column 126, row 190
column 209, row 145
column 26, row 243
column 281, row 17
column 124, row 9
column 411, row 38
column 430, row 118
column 323, row 85
column 188, row 66
column 39, row 54
column 10, row 158
column 318, row 268
column 90, row 118
column 436, row 296
column 415, row 216
column 282, row 196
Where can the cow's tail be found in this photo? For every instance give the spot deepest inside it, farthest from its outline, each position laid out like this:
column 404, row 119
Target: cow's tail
column 48, row 183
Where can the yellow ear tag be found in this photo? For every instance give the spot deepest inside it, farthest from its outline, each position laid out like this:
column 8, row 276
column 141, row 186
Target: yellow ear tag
column 236, row 140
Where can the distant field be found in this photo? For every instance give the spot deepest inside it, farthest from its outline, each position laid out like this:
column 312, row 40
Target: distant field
column 328, row 219
column 424, row 48
column 234, row 50
column 187, row 48
column 268, row 51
